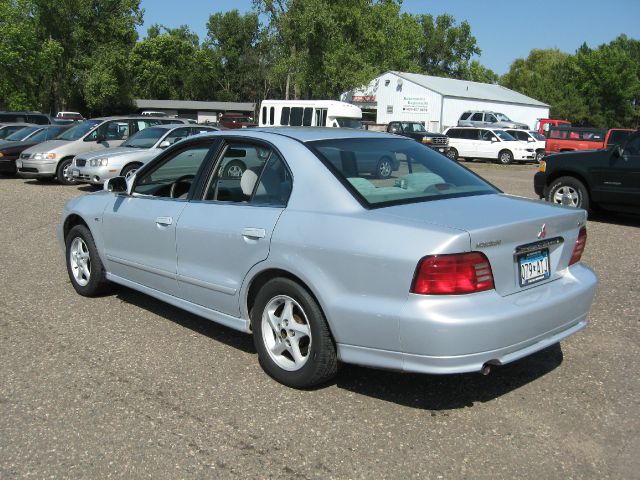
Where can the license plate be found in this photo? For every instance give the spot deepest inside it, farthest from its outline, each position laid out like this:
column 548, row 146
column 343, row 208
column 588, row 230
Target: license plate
column 75, row 172
column 533, row 267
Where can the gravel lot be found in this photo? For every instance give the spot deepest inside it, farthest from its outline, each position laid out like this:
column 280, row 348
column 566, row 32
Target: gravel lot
column 124, row 386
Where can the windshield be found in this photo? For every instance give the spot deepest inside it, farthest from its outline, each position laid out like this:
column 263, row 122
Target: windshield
column 345, row 122
column 390, row 171
column 413, row 127
column 504, row 136
column 146, row 138
column 502, row 117
column 22, row 134
column 79, row 130
column 538, row 136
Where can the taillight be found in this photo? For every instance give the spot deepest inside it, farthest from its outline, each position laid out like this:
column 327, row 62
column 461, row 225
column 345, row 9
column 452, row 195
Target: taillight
column 578, row 248
column 453, row 274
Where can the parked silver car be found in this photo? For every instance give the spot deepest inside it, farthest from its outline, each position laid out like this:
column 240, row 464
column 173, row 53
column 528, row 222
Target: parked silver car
column 475, row 118
column 52, row 159
column 138, row 149
column 431, row 270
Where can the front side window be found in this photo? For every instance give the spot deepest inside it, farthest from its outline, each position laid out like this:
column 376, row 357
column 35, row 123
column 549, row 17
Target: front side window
column 412, row 173
column 173, row 177
column 490, row 118
column 617, row 137
column 146, row 138
column 116, row 130
column 177, row 135
column 249, row 173
column 504, row 136
column 477, row 117
column 487, row 136
column 502, row 117
column 632, row 147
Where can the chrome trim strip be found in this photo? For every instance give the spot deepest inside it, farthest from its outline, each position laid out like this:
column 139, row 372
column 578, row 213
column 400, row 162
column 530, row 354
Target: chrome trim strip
column 538, row 245
column 145, row 268
column 207, row 285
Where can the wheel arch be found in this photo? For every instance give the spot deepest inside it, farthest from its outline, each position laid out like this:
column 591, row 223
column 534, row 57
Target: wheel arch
column 128, row 164
column 71, row 221
column 567, row 173
column 262, row 277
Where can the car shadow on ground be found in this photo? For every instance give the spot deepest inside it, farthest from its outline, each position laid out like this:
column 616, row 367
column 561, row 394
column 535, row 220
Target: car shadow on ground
column 613, row 218
column 193, row 322
column 448, row 392
column 429, row 392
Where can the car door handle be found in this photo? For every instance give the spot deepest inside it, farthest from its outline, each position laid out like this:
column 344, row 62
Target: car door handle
column 254, row 233
column 164, row 221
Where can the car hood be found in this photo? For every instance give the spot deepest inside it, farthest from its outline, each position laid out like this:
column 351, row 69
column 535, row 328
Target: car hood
column 47, row 146
column 22, row 145
column 497, row 224
column 116, row 151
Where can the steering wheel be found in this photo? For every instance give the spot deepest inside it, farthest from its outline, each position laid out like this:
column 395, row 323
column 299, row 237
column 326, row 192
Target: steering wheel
column 178, row 186
column 439, row 188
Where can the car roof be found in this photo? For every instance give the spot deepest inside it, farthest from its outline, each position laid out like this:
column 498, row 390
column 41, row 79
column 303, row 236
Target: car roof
column 311, row 134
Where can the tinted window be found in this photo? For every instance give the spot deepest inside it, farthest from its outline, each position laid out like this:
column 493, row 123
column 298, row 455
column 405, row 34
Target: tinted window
column 633, row 146
column 477, row 117
column 454, row 133
column 307, row 116
column 272, row 113
column 264, row 115
column 284, row 116
column 419, row 173
column 465, row 115
column 295, row 119
column 504, row 136
column 117, row 130
column 469, row 134
column 12, row 117
column 9, row 130
column 48, row 133
column 617, row 137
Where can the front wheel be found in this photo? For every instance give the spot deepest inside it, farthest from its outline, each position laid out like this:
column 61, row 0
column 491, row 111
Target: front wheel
column 85, row 269
column 568, row 191
column 291, row 335
column 130, row 169
column 384, row 168
column 505, row 157
column 539, row 155
column 452, row 153
column 63, row 172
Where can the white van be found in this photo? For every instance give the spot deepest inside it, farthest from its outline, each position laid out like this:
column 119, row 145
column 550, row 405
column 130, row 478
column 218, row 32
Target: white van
column 309, row 113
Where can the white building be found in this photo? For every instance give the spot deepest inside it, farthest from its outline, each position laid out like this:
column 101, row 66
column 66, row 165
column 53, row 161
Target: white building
column 439, row 102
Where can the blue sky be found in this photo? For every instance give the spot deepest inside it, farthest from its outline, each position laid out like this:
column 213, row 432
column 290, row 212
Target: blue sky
column 504, row 29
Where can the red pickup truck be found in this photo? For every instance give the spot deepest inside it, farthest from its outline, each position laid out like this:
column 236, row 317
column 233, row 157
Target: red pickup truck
column 567, row 138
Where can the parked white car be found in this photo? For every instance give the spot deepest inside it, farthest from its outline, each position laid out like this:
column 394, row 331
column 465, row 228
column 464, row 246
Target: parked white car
column 139, row 149
column 487, row 143
column 534, row 139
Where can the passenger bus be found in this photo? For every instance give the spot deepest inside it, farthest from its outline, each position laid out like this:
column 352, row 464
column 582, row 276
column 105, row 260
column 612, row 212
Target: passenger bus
column 309, row 113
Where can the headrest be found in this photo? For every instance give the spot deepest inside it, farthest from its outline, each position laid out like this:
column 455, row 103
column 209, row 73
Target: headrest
column 248, row 181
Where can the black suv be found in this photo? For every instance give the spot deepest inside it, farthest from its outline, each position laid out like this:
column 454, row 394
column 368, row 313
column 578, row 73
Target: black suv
column 416, row 130
column 26, row 117
column 608, row 178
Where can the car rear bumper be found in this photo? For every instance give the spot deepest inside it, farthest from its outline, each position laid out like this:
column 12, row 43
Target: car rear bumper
column 444, row 335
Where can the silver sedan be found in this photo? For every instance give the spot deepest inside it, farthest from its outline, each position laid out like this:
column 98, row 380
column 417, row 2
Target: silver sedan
column 140, row 148
column 431, row 270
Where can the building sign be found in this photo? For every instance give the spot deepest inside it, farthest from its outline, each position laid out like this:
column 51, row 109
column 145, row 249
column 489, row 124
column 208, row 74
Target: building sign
column 415, row 104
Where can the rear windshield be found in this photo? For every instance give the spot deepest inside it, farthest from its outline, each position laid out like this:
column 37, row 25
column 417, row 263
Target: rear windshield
column 390, row 171
column 80, row 130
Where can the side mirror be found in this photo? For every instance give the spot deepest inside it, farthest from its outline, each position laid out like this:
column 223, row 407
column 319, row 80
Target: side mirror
column 116, row 185
column 164, row 144
column 494, row 139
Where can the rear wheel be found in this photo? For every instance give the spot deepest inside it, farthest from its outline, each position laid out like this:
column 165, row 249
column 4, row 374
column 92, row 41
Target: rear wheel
column 291, row 335
column 568, row 191
column 505, row 157
column 63, row 172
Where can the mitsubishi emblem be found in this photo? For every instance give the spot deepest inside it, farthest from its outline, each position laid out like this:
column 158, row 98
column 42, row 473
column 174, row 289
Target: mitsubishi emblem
column 543, row 231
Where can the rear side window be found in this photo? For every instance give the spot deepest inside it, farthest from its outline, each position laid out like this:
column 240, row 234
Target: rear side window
column 465, row 115
column 295, row 120
column 477, row 117
column 284, row 115
column 469, row 134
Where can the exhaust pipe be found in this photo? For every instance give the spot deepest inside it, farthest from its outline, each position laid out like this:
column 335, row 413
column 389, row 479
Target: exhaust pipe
column 486, row 369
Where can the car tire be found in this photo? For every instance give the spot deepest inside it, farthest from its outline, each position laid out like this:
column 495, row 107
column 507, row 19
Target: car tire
column 84, row 266
column 63, row 172
column 539, row 154
column 571, row 187
column 384, row 168
column 129, row 169
column 505, row 157
column 234, row 169
column 452, row 154
column 291, row 335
